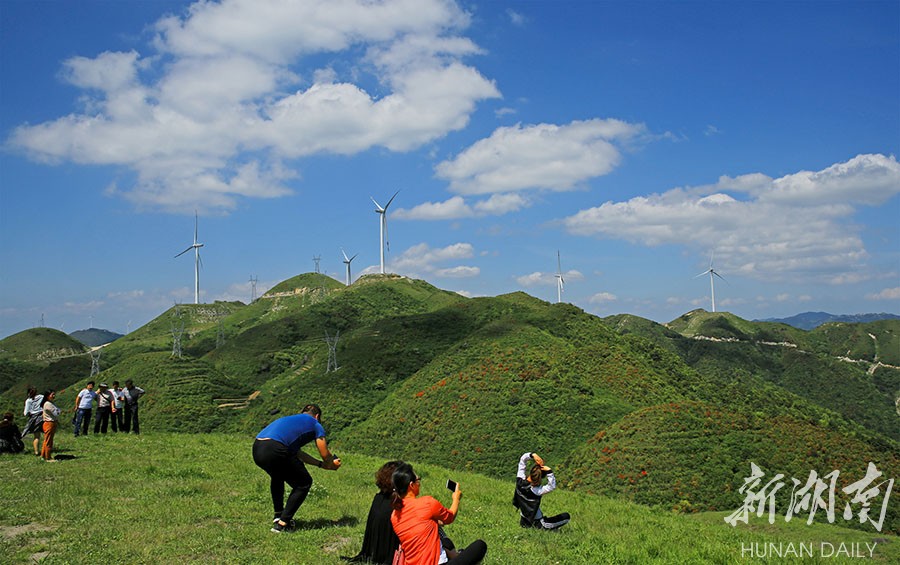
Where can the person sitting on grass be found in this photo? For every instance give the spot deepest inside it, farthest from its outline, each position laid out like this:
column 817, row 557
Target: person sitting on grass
column 416, row 520
column 529, row 490
column 10, row 436
column 380, row 542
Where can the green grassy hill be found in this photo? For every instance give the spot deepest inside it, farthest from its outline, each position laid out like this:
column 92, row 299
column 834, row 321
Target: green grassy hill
column 873, row 341
column 39, row 344
column 40, row 357
column 725, row 347
column 189, row 498
column 433, row 376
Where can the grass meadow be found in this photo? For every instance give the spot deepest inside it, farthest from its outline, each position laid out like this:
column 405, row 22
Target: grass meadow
column 182, row 498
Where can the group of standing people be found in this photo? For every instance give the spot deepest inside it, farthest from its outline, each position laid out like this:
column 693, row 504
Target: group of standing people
column 401, row 526
column 116, row 405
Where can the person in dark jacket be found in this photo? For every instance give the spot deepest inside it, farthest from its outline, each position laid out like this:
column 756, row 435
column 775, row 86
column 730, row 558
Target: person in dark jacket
column 10, row 436
column 380, row 542
column 529, row 491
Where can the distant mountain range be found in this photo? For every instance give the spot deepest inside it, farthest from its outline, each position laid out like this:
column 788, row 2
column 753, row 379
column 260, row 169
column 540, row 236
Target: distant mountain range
column 812, row 320
column 95, row 337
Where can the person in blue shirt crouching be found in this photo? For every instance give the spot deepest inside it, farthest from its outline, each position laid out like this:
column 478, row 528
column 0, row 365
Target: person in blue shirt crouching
column 276, row 451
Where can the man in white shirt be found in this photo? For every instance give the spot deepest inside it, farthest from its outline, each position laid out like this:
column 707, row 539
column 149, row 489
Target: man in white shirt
column 117, row 415
column 105, row 406
column 83, row 404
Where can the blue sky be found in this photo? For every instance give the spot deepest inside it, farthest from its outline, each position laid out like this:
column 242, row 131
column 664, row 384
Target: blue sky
column 637, row 139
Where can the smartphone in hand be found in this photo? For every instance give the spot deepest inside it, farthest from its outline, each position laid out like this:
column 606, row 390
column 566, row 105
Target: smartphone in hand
column 451, row 485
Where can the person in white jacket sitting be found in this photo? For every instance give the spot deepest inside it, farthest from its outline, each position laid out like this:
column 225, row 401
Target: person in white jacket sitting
column 529, row 491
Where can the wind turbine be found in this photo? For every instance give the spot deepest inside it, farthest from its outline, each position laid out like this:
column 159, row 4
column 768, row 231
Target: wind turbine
column 383, row 223
column 712, row 274
column 559, row 278
column 196, row 247
column 347, row 262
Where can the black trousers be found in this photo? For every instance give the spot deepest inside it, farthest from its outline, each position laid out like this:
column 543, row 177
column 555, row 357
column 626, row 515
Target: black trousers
column 116, row 420
column 131, row 423
column 473, row 553
column 101, row 420
column 274, row 458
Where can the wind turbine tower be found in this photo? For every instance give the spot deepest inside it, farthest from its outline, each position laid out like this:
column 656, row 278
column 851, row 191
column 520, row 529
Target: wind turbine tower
column 382, row 212
column 196, row 247
column 347, row 262
column 559, row 278
column 712, row 286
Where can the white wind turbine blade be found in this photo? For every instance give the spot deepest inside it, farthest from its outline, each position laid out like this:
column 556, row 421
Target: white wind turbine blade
column 345, row 255
column 378, row 207
column 387, row 242
column 185, row 251
column 391, row 200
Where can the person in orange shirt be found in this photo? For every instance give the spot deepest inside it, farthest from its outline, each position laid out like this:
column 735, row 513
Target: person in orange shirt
column 415, row 520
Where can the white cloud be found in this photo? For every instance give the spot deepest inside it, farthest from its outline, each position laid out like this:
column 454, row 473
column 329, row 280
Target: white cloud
column 792, row 227
column 456, row 208
column 422, row 260
column 223, row 97
column 82, row 307
column 516, row 18
column 543, row 156
column 451, row 209
column 602, row 297
column 539, row 278
column 499, row 204
column 536, row 278
column 886, row 294
column 460, row 272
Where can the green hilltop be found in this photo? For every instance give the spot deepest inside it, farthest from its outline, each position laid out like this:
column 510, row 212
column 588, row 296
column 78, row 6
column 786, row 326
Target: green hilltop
column 666, row 415
column 40, row 357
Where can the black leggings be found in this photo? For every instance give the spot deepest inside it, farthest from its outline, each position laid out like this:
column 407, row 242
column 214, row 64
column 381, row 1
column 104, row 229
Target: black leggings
column 547, row 522
column 274, row 458
column 474, row 553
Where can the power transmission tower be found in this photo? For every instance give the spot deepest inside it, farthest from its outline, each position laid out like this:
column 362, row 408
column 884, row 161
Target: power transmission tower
column 317, row 258
column 332, row 342
column 253, row 281
column 95, row 362
column 177, row 332
column 220, row 330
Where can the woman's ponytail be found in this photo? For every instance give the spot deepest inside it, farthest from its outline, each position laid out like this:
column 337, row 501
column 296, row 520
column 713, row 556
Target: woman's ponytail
column 402, row 477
